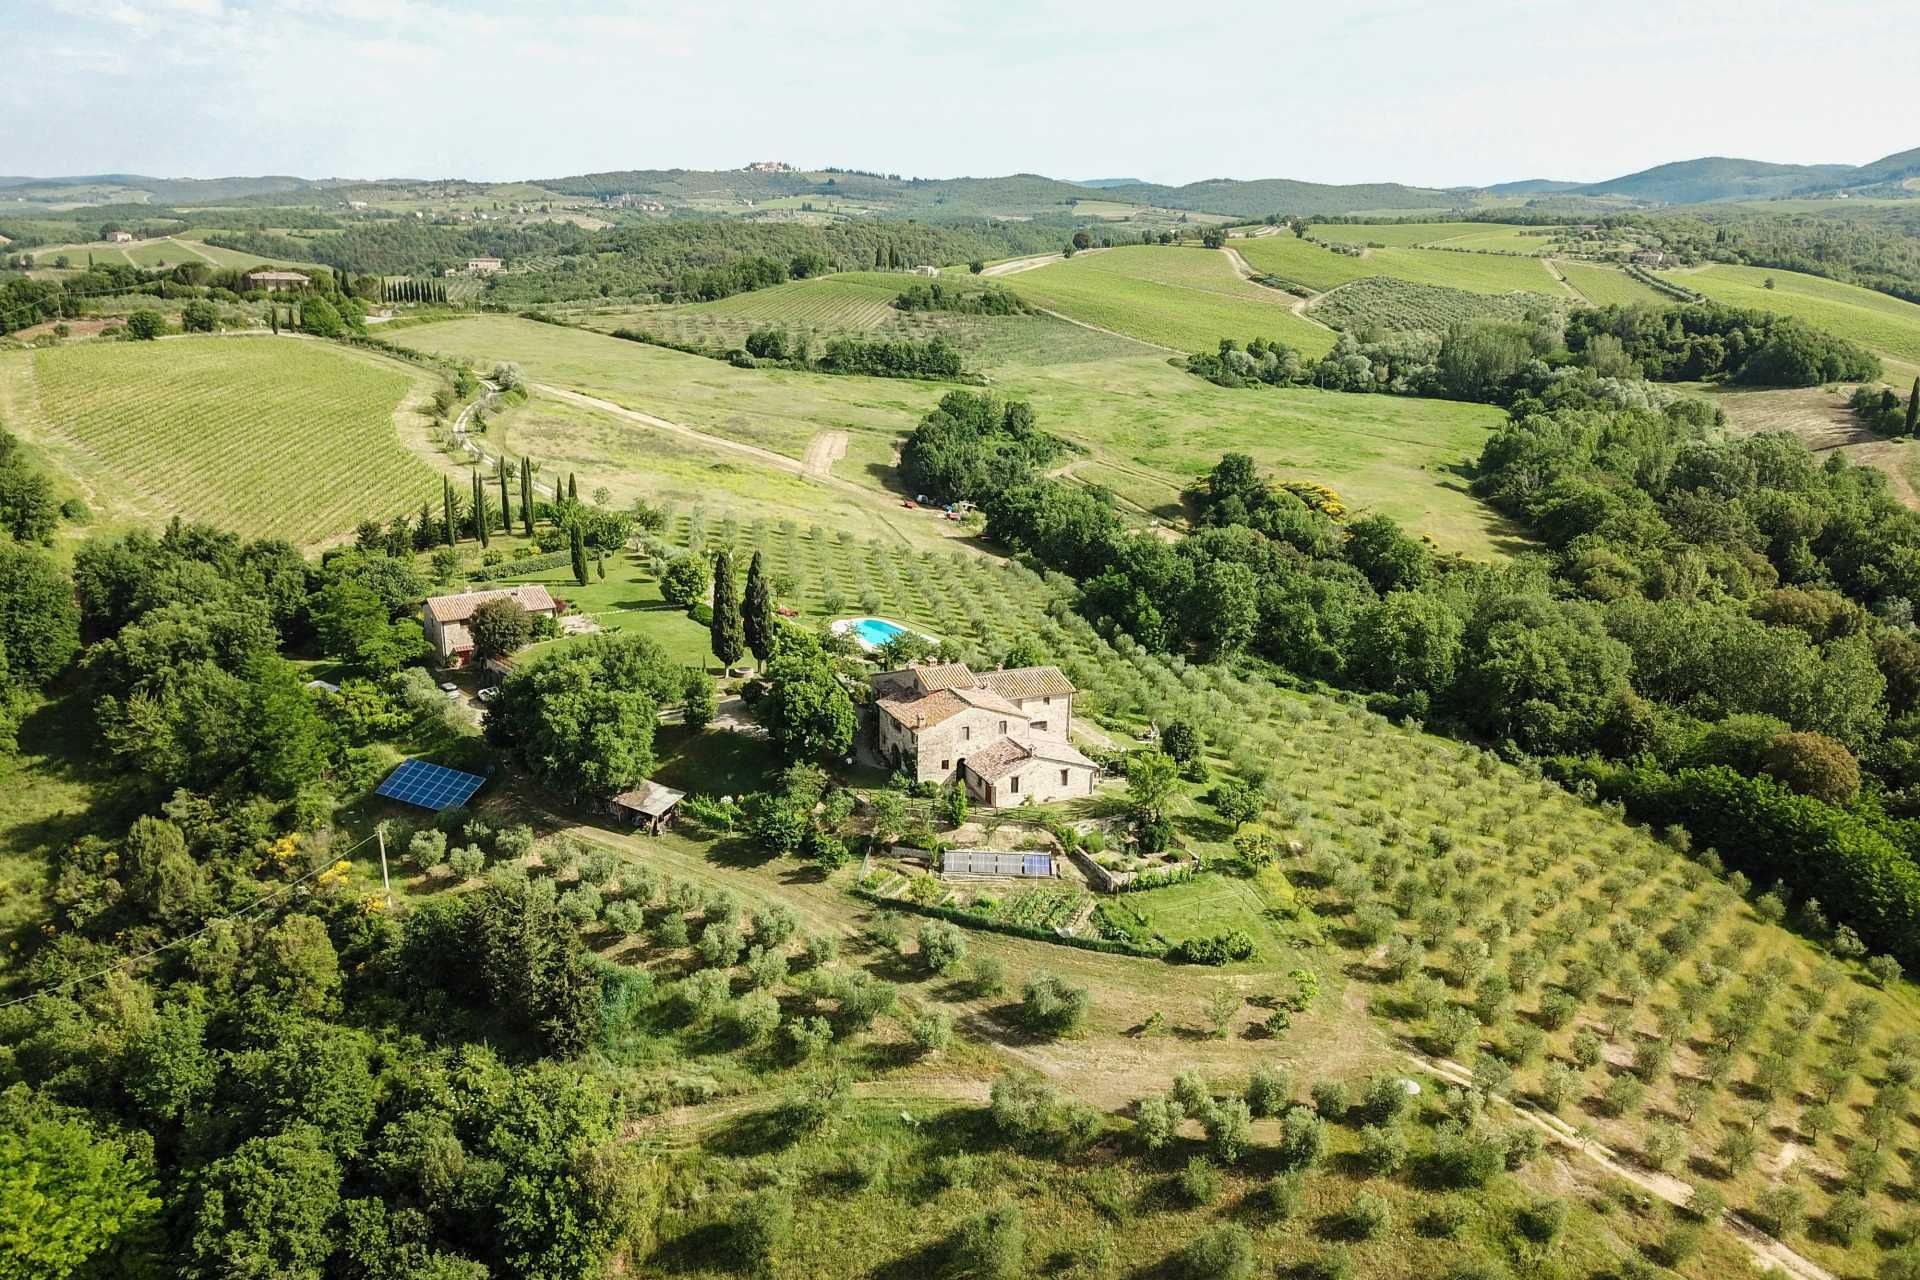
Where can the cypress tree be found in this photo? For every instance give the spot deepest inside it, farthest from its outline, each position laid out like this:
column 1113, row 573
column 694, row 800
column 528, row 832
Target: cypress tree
column 756, row 612
column 579, row 553
column 600, row 566
column 526, row 497
column 725, row 629
column 506, row 509
column 479, row 510
column 879, row 256
column 446, row 506
column 573, row 488
column 1913, row 408
column 273, row 318
column 423, row 532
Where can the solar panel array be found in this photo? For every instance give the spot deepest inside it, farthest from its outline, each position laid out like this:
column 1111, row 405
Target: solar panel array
column 989, row 862
column 429, row 786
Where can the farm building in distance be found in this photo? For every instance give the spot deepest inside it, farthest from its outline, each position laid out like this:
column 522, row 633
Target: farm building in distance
column 445, row 617
column 274, row 281
column 117, row 237
column 1003, row 734
column 483, row 266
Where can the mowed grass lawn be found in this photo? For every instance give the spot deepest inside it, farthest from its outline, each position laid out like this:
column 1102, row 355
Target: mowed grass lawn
column 275, row 437
column 1885, row 324
column 1186, row 298
column 1149, row 430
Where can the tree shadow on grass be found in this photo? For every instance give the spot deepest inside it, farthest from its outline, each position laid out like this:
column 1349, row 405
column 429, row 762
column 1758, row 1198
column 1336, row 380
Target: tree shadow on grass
column 695, row 1250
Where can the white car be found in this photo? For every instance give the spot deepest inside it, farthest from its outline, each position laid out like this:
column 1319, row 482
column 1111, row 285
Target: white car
column 489, row 693
column 451, row 689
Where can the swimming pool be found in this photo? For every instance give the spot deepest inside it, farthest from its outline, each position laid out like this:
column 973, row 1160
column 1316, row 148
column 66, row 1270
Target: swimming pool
column 872, row 633
column 876, row 631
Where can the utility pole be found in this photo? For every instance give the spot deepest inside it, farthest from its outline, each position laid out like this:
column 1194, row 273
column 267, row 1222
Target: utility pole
column 385, row 883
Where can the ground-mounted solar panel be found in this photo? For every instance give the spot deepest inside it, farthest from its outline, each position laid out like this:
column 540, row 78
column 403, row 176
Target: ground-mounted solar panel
column 429, row 786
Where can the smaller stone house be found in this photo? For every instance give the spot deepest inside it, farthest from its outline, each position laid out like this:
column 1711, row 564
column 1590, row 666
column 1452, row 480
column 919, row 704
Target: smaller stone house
column 118, row 237
column 649, row 807
column 1001, row 733
column 483, row 266
column 274, row 281
column 445, row 617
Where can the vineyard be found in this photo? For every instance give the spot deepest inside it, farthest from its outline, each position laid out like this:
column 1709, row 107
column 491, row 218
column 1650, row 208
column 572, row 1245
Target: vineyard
column 1605, row 286
column 1383, row 302
column 1874, row 320
column 1298, row 261
column 282, row 438
column 1181, row 298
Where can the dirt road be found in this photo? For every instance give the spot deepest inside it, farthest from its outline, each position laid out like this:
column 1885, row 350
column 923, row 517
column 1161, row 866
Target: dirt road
column 823, row 451
column 1017, row 265
column 1296, row 305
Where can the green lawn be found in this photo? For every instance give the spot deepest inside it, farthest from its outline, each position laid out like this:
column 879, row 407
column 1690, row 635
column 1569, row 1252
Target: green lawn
column 1302, row 262
column 1606, row 285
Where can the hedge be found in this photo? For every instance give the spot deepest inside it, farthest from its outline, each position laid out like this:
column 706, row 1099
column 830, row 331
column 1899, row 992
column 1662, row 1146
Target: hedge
column 523, row 566
column 1759, row 827
column 974, row 921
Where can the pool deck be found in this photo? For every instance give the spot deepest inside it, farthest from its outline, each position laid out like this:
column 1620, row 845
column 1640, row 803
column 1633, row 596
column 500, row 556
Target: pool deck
column 842, row 626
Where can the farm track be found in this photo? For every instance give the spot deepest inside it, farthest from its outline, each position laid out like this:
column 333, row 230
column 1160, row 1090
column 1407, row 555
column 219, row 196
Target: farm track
column 1017, row 265
column 1766, row 1251
column 778, row 461
column 704, row 1113
column 823, row 451
column 1111, row 333
column 1296, row 305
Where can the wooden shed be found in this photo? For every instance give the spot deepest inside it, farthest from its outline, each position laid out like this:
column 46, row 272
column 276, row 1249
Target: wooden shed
column 648, row 805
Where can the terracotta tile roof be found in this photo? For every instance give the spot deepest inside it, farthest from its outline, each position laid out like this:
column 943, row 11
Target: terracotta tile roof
column 924, row 713
column 1060, row 753
column 532, row 597
column 996, row 759
column 1027, row 682
column 988, row 700
column 944, row 675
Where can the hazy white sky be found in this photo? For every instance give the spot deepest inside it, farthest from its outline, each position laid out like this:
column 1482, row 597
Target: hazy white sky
column 1335, row 91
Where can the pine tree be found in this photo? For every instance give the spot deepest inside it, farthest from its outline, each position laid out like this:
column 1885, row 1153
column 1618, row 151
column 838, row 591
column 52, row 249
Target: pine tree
column 756, row 612
column 1913, row 408
column 725, row 629
column 446, row 506
column 573, row 488
column 579, row 553
column 526, row 497
column 506, row 509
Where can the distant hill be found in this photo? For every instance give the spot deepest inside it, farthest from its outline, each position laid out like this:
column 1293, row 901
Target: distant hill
column 1099, row 183
column 1261, row 196
column 1531, row 187
column 1727, row 178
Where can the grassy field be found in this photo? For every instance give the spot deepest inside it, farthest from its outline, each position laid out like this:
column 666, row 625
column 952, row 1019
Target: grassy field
column 1605, row 286
column 1887, row 325
column 1302, row 262
column 1474, row 272
column 167, row 251
column 1149, row 430
column 268, row 437
column 1396, row 233
column 1186, row 298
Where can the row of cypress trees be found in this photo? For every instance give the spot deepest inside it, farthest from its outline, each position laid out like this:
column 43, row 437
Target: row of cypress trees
column 741, row 623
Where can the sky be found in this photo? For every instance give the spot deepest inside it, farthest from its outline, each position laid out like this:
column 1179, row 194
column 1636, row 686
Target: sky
column 1336, row 91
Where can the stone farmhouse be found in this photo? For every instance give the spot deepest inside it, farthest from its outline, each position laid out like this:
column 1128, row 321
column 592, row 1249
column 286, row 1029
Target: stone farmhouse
column 445, row 617
column 1001, row 733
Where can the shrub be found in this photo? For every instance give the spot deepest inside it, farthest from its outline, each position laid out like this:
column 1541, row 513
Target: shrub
column 1278, row 1198
column 1383, row 1149
column 1368, row 1215
column 1541, row 1221
column 1224, row 1252
column 1446, row 1220
column 1049, row 1006
column 987, row 976
column 761, row 1227
column 943, row 946
column 1199, row 1184
column 1157, row 1121
column 1022, row 1109
column 1330, row 1100
column 1465, row 1157
column 989, row 1246
column 1229, row 1129
column 1269, row 1090
column 1813, row 765
column 1303, row 1138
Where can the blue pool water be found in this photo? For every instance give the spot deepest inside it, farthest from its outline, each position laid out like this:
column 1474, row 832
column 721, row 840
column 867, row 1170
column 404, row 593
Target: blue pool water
column 876, row 631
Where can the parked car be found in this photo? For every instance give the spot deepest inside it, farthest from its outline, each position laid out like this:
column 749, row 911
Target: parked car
column 449, row 688
column 489, row 693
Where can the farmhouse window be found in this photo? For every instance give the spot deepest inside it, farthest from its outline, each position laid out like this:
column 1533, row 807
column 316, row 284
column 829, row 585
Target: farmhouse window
column 1003, row 726
column 945, row 765
column 1047, row 701
column 1063, row 777
column 1039, row 726
column 1013, row 785
column 966, row 733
